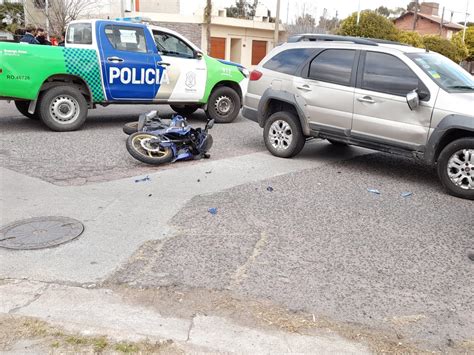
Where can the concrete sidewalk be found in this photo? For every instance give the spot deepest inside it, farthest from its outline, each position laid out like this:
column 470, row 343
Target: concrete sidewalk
column 102, row 312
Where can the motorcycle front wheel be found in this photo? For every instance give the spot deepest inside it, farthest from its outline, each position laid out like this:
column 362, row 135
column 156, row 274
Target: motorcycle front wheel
column 141, row 147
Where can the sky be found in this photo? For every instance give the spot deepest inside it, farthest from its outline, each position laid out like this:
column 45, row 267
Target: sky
column 342, row 7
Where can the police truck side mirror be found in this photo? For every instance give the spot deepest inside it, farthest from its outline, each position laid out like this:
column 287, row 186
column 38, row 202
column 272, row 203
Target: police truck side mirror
column 199, row 55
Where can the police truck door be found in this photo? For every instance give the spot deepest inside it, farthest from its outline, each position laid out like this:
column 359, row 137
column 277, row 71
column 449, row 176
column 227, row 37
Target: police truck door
column 186, row 72
column 128, row 65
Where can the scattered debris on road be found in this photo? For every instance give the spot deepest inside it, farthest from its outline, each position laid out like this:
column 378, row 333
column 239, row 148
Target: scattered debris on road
column 270, row 189
column 374, row 191
column 212, row 210
column 146, row 178
column 407, row 194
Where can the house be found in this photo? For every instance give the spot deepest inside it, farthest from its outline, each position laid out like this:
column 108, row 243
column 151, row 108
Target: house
column 239, row 40
column 428, row 21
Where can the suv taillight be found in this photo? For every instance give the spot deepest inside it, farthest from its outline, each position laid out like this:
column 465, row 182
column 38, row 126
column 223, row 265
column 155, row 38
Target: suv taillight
column 255, row 75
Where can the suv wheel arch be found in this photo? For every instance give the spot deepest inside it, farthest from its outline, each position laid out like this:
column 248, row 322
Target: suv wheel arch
column 273, row 101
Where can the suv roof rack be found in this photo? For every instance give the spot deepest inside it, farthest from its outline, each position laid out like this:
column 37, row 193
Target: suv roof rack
column 320, row 37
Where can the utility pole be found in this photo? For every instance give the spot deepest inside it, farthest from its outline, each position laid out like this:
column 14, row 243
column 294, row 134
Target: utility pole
column 465, row 22
column 287, row 11
column 441, row 23
column 122, row 9
column 358, row 14
column 276, row 36
column 415, row 16
column 46, row 10
column 208, row 20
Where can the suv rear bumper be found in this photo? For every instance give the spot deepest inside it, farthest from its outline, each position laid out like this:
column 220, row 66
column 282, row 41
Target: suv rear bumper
column 250, row 113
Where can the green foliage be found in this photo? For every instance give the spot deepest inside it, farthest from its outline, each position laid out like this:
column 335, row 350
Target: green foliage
column 412, row 38
column 242, row 9
column 454, row 50
column 371, row 25
column 383, row 10
column 11, row 16
column 469, row 41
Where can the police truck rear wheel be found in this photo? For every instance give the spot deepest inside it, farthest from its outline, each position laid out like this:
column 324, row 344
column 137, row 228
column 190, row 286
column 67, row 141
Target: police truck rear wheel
column 63, row 108
column 23, row 106
column 184, row 110
column 223, row 105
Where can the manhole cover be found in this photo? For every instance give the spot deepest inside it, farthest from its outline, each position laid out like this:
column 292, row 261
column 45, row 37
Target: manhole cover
column 39, row 233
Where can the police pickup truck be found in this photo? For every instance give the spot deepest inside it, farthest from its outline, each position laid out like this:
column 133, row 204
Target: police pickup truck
column 117, row 62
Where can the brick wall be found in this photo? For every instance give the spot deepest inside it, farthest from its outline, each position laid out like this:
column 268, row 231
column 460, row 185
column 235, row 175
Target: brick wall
column 192, row 31
column 423, row 26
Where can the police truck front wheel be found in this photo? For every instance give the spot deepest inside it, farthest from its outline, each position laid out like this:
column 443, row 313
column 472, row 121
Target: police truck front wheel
column 23, row 106
column 223, row 105
column 63, row 108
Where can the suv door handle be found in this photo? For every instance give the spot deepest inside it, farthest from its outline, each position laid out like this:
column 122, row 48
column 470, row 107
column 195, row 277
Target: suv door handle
column 163, row 64
column 366, row 99
column 115, row 60
column 304, row 87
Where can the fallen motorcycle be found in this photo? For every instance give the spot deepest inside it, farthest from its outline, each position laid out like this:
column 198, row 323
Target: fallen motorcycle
column 156, row 142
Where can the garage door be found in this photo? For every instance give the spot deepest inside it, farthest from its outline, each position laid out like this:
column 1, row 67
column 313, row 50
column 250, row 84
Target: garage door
column 259, row 51
column 218, row 47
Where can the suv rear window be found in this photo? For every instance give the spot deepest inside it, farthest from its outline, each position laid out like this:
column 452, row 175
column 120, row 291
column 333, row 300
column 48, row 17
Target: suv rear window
column 388, row 74
column 333, row 66
column 79, row 33
column 287, row 62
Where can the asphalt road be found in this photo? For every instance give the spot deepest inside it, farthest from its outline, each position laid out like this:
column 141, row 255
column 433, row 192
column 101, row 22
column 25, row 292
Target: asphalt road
column 316, row 241
column 97, row 152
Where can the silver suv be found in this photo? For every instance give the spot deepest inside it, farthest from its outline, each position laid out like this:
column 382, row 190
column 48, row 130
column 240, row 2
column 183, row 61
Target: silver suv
column 387, row 97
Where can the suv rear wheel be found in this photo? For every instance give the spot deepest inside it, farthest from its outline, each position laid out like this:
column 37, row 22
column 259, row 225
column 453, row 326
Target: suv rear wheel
column 456, row 168
column 283, row 135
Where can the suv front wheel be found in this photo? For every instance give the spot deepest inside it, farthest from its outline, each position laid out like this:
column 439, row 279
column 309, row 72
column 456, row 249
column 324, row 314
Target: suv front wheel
column 456, row 168
column 283, row 135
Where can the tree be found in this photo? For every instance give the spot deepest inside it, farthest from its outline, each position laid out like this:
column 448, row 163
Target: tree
column 469, row 41
column 412, row 38
column 11, row 16
column 454, row 50
column 412, row 6
column 61, row 12
column 371, row 25
column 384, row 11
column 242, row 9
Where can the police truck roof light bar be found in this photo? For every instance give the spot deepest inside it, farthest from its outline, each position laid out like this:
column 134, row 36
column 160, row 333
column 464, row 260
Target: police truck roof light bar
column 137, row 19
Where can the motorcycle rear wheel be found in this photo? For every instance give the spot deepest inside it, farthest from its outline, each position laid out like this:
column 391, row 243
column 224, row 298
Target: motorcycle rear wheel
column 139, row 147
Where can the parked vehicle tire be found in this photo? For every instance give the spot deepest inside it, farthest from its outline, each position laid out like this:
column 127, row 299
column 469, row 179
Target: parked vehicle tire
column 283, row 135
column 224, row 105
column 63, row 108
column 139, row 147
column 22, row 106
column 456, row 168
column 336, row 143
column 130, row 127
column 185, row 110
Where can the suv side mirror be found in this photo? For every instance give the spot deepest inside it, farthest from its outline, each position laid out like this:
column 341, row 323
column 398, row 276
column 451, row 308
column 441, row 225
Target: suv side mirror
column 413, row 100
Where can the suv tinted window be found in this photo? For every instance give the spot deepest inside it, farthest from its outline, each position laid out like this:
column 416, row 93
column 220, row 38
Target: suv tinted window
column 125, row 38
column 388, row 74
column 79, row 33
column 333, row 66
column 287, row 62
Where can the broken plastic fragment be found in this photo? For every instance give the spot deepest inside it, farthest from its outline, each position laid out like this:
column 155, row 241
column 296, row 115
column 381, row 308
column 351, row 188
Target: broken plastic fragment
column 407, row 194
column 270, row 189
column 146, row 178
column 374, row 191
column 212, row 210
